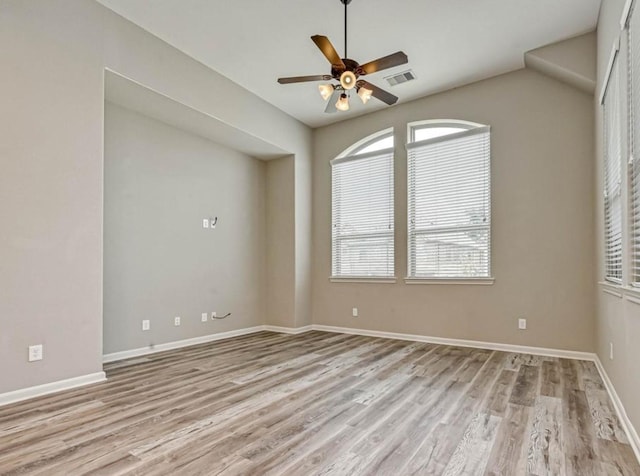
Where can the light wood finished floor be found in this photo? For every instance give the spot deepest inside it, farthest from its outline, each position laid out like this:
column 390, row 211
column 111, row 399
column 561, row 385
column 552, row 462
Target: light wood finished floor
column 322, row 403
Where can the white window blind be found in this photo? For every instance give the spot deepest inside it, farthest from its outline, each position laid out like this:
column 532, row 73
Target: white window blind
column 449, row 209
column 634, row 141
column 362, row 215
column 612, row 177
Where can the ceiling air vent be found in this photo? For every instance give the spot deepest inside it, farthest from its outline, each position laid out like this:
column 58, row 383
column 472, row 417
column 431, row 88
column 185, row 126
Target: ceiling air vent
column 401, row 78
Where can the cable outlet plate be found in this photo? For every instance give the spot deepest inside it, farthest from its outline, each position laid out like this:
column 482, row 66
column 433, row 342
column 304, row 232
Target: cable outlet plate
column 35, row 352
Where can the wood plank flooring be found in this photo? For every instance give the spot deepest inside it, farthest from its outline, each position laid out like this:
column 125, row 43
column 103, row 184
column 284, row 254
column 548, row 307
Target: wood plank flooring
column 322, row 403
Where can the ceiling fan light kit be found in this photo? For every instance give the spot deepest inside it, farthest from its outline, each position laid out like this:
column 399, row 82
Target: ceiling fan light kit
column 365, row 94
column 326, row 91
column 348, row 80
column 343, row 103
column 347, row 72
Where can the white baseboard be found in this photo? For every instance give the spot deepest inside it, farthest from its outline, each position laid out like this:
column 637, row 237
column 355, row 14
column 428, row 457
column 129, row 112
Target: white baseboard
column 47, row 388
column 627, row 426
column 520, row 349
column 178, row 344
column 289, row 330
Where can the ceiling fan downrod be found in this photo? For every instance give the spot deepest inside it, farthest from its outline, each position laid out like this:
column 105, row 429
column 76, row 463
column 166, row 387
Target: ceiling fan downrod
column 346, row 4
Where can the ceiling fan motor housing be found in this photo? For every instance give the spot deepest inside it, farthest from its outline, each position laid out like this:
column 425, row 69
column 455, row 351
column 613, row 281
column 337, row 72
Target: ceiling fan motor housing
column 350, row 65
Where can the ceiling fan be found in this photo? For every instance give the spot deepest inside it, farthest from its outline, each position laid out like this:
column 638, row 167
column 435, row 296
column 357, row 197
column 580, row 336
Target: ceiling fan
column 348, row 72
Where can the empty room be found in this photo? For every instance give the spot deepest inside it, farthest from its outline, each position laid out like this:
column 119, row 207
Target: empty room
column 320, row 237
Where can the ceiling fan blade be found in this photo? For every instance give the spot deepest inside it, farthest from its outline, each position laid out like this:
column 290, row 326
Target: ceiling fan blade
column 331, row 106
column 395, row 59
column 328, row 50
column 303, row 79
column 378, row 93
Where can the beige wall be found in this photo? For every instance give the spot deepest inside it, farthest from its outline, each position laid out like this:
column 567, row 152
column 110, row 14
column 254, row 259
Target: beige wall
column 160, row 182
column 618, row 319
column 281, row 272
column 54, row 54
column 50, row 191
column 542, row 221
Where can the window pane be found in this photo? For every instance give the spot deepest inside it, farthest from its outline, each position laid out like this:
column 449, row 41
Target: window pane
column 362, row 256
column 425, row 133
column 362, row 216
column 449, row 206
column 442, row 255
column 634, row 135
column 613, row 177
column 384, row 143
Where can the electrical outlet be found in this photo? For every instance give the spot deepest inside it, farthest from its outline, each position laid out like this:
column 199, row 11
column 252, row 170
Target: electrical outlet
column 354, row 312
column 205, row 223
column 522, row 324
column 214, row 314
column 146, row 325
column 611, row 350
column 204, row 317
column 35, row 352
column 176, row 321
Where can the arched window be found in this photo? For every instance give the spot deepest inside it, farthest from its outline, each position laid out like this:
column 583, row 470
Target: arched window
column 362, row 209
column 449, row 202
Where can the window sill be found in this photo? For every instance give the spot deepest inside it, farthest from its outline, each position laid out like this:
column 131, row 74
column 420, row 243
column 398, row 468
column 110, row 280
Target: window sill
column 631, row 293
column 363, row 279
column 458, row 281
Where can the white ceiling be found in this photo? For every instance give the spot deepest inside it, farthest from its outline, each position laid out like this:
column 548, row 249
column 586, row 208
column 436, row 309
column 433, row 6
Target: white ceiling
column 449, row 42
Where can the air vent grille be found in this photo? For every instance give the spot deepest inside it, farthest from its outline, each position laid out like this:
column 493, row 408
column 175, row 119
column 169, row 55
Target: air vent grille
column 401, row 78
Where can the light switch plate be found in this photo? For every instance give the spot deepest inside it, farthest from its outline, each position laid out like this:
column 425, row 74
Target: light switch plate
column 35, row 352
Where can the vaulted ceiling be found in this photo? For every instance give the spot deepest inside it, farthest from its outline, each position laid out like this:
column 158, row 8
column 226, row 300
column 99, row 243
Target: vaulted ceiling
column 449, row 42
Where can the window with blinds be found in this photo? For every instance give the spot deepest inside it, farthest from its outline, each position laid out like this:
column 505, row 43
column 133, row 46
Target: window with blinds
column 362, row 212
column 612, row 176
column 449, row 204
column 633, row 32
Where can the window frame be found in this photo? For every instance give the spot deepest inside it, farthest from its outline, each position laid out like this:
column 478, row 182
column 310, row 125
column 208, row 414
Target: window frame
column 615, row 65
column 465, row 128
column 632, row 168
column 353, row 153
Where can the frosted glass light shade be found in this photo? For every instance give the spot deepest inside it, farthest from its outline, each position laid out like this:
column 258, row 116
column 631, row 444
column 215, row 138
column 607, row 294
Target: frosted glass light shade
column 365, row 94
column 348, row 80
column 343, row 103
column 326, row 90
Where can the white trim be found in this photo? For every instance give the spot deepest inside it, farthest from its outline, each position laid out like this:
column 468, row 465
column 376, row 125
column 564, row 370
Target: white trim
column 412, row 127
column 626, row 14
column 610, row 285
column 612, row 293
column 178, row 344
column 368, row 155
column 288, row 330
column 366, row 141
column 632, row 299
column 620, row 291
column 363, row 279
column 627, row 426
column 469, row 132
column 520, row 349
column 471, row 281
column 53, row 387
column 612, row 58
column 632, row 291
